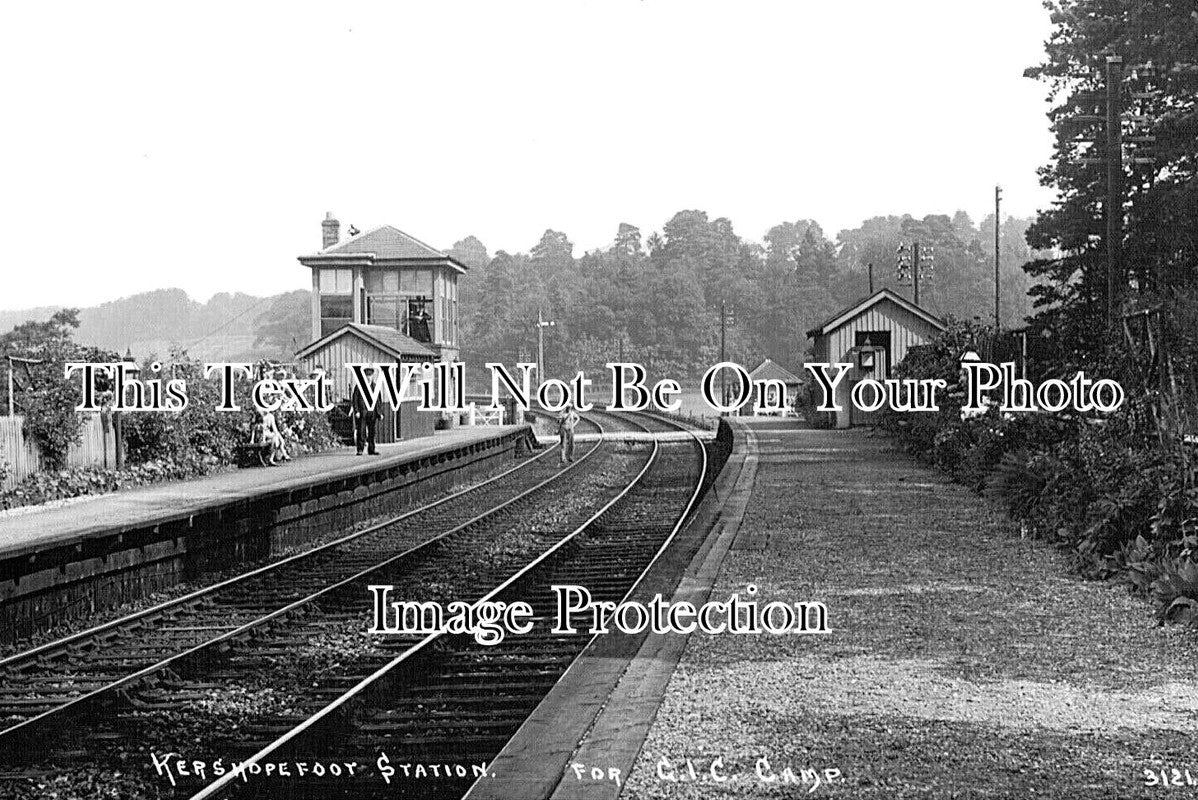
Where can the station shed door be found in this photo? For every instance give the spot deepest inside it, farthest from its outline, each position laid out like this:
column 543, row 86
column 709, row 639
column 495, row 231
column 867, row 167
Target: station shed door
column 869, row 361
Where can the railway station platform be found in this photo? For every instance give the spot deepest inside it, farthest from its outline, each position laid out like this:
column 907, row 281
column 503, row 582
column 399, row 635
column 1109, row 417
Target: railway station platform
column 959, row 659
column 79, row 556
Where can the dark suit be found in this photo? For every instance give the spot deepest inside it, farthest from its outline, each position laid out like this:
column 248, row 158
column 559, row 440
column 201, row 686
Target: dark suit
column 365, row 421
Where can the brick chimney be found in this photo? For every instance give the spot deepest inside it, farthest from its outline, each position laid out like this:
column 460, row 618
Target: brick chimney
column 330, row 231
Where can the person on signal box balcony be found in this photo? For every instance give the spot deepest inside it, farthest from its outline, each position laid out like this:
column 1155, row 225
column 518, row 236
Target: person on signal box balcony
column 565, row 429
column 365, row 419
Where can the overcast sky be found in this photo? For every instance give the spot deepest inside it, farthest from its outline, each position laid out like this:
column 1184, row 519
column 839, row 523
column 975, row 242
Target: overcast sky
column 147, row 146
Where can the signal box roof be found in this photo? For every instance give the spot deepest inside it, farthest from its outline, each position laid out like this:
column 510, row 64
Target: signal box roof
column 385, row 246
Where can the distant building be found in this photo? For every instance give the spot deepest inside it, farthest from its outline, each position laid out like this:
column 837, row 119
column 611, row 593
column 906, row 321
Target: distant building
column 773, row 371
column 873, row 334
column 381, row 296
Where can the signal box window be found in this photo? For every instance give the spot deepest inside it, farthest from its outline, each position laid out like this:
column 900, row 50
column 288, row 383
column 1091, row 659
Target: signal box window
column 420, row 321
column 336, row 311
column 336, row 281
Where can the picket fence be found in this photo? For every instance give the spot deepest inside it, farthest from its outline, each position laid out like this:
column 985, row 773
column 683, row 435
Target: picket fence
column 21, row 457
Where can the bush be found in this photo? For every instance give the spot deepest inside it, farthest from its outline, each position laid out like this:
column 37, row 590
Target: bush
column 47, row 486
column 162, row 446
column 1176, row 591
column 201, row 438
column 1108, row 489
column 806, row 401
column 43, row 393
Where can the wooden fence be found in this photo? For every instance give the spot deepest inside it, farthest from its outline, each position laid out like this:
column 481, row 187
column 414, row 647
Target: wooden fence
column 477, row 415
column 20, row 457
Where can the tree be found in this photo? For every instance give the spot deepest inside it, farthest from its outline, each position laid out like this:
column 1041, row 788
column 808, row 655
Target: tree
column 44, row 395
column 628, row 241
column 500, row 327
column 471, row 252
column 555, row 250
column 963, row 226
column 1158, row 43
column 1015, row 303
column 31, row 334
column 956, row 281
column 655, row 243
column 873, row 242
column 721, row 259
column 781, row 240
column 792, row 290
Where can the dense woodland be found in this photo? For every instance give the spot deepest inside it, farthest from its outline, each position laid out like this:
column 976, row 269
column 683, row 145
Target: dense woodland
column 1158, row 271
column 656, row 298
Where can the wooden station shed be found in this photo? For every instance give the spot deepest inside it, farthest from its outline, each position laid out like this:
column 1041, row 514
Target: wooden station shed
column 873, row 335
column 372, row 344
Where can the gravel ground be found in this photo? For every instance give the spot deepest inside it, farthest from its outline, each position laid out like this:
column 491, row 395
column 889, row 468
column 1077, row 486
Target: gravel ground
column 962, row 662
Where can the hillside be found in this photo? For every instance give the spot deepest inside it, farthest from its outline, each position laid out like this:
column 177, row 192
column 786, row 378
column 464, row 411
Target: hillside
column 152, row 323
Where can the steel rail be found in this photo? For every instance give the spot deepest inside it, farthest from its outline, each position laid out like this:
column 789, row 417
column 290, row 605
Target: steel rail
column 683, row 518
column 94, row 696
column 74, row 639
column 343, row 701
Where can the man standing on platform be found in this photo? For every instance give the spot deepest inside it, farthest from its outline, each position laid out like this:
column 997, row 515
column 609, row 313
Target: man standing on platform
column 565, row 429
column 365, row 419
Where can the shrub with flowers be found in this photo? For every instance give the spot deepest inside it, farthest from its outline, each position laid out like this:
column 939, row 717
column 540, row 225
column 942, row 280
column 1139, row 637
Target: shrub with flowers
column 201, row 437
column 164, row 446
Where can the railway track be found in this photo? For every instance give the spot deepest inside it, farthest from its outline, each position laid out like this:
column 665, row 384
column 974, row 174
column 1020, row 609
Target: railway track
column 49, row 686
column 447, row 702
column 154, row 667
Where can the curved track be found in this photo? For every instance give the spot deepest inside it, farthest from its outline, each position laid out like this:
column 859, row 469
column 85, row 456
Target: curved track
column 49, row 685
column 446, row 699
column 445, row 695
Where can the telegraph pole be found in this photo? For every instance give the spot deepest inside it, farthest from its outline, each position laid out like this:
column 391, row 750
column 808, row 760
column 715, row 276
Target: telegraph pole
column 908, row 264
column 1114, row 185
column 727, row 320
column 915, row 268
column 723, row 330
column 997, row 198
column 542, row 324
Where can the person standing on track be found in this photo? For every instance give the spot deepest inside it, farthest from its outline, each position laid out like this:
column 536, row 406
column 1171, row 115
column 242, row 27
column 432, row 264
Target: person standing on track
column 365, row 419
column 565, row 429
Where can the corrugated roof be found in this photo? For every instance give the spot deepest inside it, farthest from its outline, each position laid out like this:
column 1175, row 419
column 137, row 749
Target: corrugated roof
column 772, row 370
column 389, row 340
